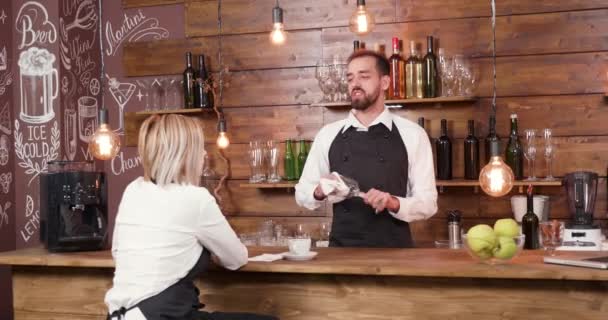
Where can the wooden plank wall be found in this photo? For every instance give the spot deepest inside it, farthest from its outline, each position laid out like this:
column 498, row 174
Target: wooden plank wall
column 551, row 71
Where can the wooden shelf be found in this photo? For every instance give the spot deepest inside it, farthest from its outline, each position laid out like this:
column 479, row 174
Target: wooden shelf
column 278, row 185
column 440, row 183
column 401, row 102
column 175, row 111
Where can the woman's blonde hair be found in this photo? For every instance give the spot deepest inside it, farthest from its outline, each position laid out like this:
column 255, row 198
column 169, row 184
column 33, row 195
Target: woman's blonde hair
column 172, row 149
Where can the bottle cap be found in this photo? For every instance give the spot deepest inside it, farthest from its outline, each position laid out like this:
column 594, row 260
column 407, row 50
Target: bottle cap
column 454, row 215
column 513, row 115
column 395, row 43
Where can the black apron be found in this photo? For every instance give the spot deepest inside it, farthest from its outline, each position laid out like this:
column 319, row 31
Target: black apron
column 378, row 159
column 180, row 301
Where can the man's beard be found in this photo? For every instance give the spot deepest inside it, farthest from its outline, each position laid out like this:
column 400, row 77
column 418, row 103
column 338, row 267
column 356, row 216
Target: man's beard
column 366, row 101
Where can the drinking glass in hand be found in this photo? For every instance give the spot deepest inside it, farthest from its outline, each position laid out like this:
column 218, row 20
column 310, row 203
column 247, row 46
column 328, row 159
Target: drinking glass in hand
column 549, row 153
column 272, row 158
column 256, row 162
column 552, row 235
column 530, row 152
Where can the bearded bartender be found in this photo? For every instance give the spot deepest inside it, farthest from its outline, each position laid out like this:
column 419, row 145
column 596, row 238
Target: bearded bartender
column 389, row 156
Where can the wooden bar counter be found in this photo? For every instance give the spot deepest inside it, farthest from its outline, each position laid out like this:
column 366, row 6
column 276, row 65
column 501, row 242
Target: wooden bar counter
column 338, row 284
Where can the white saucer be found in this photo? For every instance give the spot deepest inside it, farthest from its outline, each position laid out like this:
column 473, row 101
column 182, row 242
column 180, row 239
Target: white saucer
column 305, row 257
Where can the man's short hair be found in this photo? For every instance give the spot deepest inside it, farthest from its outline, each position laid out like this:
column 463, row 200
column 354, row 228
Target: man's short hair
column 382, row 63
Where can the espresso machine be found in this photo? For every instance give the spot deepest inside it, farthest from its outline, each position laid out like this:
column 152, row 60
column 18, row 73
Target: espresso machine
column 581, row 234
column 73, row 207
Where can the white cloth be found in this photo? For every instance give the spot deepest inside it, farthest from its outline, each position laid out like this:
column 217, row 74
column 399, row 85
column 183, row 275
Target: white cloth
column 267, row 257
column 335, row 189
column 159, row 235
column 421, row 200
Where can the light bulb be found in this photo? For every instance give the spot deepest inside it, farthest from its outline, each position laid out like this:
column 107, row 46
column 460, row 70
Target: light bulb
column 277, row 35
column 362, row 21
column 496, row 178
column 222, row 140
column 104, row 143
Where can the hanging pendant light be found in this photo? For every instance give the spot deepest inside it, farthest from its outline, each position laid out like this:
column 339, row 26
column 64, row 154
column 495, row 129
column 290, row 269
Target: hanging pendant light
column 104, row 144
column 496, row 178
column 362, row 21
column 278, row 34
column 222, row 138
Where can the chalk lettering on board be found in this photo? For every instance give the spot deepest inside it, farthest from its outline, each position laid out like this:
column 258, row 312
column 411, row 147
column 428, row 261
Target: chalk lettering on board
column 5, row 181
column 33, row 219
column 4, row 213
column 87, row 117
column 34, row 152
column 34, row 26
column 3, row 16
column 122, row 93
column 39, row 85
column 133, row 28
column 86, row 153
column 5, row 120
column 4, row 152
column 3, row 59
column 120, row 164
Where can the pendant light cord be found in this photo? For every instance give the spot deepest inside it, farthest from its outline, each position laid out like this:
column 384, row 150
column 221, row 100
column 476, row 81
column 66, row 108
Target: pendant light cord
column 493, row 4
column 218, row 107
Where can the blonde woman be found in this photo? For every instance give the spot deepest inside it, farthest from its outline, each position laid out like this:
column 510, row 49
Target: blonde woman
column 167, row 227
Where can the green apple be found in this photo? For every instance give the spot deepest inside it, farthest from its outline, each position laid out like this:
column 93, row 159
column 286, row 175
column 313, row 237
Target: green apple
column 484, row 254
column 481, row 237
column 506, row 248
column 506, row 228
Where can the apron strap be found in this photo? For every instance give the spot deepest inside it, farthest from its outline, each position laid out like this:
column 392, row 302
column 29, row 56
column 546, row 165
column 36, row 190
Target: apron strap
column 120, row 313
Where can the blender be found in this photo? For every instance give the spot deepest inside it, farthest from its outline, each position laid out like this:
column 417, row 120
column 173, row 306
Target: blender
column 581, row 234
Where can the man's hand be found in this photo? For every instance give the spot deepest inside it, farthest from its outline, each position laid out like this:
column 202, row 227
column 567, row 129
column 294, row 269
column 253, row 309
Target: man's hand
column 381, row 200
column 318, row 194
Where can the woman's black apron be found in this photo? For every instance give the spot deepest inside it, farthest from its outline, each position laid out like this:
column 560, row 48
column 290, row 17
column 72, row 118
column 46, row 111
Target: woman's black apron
column 180, row 301
column 378, row 159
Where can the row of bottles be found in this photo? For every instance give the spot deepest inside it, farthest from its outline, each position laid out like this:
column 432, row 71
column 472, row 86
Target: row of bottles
column 443, row 152
column 197, row 92
column 294, row 165
column 443, row 146
column 414, row 77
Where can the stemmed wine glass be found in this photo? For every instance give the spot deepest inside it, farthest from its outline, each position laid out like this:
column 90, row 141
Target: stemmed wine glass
column 549, row 153
column 530, row 152
column 322, row 74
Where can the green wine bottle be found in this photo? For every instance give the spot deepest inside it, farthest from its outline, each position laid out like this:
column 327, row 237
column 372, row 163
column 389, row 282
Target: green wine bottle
column 301, row 160
column 515, row 153
column 290, row 162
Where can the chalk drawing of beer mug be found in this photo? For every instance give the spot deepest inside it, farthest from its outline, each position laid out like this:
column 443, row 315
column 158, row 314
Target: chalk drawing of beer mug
column 39, row 85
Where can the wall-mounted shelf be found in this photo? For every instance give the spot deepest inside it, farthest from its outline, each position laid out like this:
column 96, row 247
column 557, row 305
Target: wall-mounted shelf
column 175, row 111
column 133, row 121
column 401, row 102
column 441, row 184
column 520, row 184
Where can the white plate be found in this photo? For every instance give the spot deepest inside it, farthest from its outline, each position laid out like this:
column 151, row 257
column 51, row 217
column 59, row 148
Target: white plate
column 305, row 257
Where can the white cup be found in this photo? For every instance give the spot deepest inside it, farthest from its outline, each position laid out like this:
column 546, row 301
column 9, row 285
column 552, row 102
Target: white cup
column 299, row 246
column 519, row 206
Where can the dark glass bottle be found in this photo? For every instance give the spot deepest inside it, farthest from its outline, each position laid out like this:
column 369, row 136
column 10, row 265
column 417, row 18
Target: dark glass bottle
column 396, row 90
column 301, row 159
column 529, row 224
column 421, row 122
column 492, row 141
column 471, row 154
column 289, row 162
column 189, row 82
column 443, row 147
column 515, row 152
column 202, row 99
column 356, row 45
column 430, row 70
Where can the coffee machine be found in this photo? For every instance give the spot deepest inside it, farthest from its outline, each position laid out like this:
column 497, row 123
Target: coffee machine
column 73, row 207
column 581, row 234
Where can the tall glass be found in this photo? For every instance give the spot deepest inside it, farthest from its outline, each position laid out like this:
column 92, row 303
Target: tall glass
column 70, row 133
column 530, row 152
column 87, row 117
column 322, row 74
column 256, row 162
column 272, row 158
column 552, row 235
column 549, row 153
